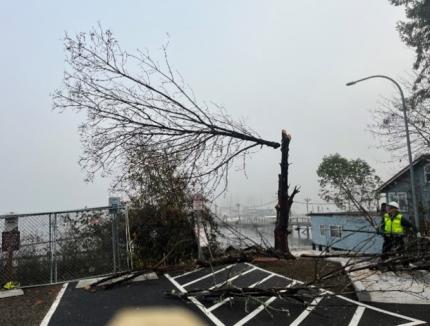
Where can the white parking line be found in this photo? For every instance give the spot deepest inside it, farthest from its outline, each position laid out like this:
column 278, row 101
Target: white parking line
column 357, row 316
column 261, row 281
column 273, row 273
column 219, row 304
column 54, row 306
column 306, row 312
column 188, row 273
column 232, row 278
column 413, row 323
column 260, row 308
column 199, row 305
column 207, row 275
column 361, row 307
column 413, row 320
column 382, row 310
column 255, row 312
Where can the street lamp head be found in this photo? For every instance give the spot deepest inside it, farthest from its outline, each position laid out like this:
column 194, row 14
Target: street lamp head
column 351, row 83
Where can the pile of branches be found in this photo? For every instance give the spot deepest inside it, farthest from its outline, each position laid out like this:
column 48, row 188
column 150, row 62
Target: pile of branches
column 230, row 255
column 237, row 255
column 297, row 294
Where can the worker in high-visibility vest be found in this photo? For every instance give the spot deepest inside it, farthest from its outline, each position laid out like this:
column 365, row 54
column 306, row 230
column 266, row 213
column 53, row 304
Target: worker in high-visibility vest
column 393, row 227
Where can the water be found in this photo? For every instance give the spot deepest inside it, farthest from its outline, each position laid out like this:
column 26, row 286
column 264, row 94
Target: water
column 261, row 234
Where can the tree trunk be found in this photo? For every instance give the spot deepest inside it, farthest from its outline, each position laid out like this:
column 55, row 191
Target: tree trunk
column 284, row 201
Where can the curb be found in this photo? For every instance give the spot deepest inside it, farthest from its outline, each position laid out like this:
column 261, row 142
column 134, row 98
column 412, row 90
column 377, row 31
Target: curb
column 11, row 293
column 144, row 277
column 360, row 290
column 413, row 291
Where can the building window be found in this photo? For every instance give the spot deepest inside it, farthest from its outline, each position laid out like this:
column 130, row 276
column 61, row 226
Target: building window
column 427, row 173
column 323, row 229
column 401, row 198
column 336, row 231
column 403, row 201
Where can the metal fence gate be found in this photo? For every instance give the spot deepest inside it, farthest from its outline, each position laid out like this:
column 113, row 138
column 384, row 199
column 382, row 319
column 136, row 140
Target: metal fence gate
column 65, row 245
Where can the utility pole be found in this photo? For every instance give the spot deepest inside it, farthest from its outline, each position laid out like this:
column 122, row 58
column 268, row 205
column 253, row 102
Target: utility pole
column 408, row 143
column 307, row 201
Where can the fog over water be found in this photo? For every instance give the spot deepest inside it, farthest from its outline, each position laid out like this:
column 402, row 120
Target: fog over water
column 262, row 235
column 272, row 64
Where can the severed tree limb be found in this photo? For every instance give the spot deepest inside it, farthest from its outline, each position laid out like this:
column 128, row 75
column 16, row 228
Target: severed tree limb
column 300, row 294
column 137, row 104
column 132, row 275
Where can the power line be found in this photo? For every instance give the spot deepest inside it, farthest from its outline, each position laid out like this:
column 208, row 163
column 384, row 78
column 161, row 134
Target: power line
column 313, row 203
column 254, row 206
column 273, row 202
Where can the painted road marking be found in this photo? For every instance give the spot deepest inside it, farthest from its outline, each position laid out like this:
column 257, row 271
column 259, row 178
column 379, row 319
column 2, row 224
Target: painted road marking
column 255, row 312
column 260, row 308
column 413, row 323
column 306, row 312
column 361, row 307
column 219, row 304
column 357, row 316
column 273, row 273
column 54, row 306
column 207, row 275
column 261, row 281
column 199, row 305
column 188, row 273
column 232, row 278
column 420, row 322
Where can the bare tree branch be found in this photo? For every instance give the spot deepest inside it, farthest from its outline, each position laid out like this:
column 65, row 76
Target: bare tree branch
column 134, row 103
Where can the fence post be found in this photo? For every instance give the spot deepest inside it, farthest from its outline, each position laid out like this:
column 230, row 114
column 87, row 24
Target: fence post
column 118, row 257
column 128, row 240
column 114, row 204
column 113, row 242
column 55, row 249
column 51, row 253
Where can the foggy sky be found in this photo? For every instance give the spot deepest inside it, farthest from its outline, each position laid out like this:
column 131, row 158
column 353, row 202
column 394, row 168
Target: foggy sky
column 276, row 64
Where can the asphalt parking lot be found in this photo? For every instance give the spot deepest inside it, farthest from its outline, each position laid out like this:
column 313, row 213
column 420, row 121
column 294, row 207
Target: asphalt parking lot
column 79, row 307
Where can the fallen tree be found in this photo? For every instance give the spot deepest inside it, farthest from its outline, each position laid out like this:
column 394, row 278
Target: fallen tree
column 137, row 107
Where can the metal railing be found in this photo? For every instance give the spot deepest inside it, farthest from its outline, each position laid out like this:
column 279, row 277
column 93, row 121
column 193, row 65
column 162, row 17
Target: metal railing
column 66, row 245
column 300, row 221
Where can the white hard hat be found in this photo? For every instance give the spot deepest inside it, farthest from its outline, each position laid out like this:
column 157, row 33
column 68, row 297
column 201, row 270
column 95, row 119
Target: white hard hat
column 393, row 204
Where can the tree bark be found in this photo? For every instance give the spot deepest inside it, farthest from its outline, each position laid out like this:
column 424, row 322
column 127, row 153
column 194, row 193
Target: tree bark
column 284, row 201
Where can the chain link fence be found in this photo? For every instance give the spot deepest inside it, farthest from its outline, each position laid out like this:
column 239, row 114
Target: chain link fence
column 65, row 245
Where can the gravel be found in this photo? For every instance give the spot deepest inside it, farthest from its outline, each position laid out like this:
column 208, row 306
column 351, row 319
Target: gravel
column 28, row 309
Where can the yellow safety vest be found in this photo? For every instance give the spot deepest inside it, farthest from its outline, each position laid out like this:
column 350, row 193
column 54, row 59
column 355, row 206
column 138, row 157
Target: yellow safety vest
column 393, row 226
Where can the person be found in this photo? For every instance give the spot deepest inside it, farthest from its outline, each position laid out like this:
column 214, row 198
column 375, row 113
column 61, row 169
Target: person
column 393, row 227
column 383, row 210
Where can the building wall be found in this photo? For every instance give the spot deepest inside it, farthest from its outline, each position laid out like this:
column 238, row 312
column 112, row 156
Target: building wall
column 402, row 184
column 355, row 241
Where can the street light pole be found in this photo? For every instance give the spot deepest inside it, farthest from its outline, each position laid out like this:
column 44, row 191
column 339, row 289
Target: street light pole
column 408, row 141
